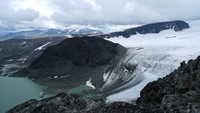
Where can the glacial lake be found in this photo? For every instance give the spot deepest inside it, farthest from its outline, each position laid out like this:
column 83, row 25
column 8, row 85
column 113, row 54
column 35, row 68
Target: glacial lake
column 14, row 91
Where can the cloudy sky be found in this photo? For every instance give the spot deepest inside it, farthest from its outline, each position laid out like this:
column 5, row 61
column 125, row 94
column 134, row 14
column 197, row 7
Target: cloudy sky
column 29, row 14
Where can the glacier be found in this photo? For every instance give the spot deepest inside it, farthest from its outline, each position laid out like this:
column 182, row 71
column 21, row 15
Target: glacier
column 155, row 56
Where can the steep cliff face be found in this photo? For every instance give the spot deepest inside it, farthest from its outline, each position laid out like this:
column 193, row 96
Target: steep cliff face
column 75, row 61
column 150, row 28
column 177, row 92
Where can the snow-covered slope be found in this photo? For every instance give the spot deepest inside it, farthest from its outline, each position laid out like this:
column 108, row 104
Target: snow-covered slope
column 156, row 55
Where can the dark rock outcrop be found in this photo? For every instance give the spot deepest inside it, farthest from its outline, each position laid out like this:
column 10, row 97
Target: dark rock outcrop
column 119, row 107
column 177, row 92
column 74, row 61
column 150, row 28
column 83, row 51
column 62, row 103
column 73, row 103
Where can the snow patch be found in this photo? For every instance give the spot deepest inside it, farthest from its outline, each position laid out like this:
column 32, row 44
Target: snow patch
column 41, row 47
column 23, row 43
column 64, row 76
column 69, row 36
column 89, row 83
column 77, row 30
column 10, row 60
column 23, row 59
column 41, row 93
column 6, row 69
column 105, row 76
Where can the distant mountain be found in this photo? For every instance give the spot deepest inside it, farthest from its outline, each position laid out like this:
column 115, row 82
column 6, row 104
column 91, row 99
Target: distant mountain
column 50, row 32
column 2, row 32
column 150, row 28
column 145, row 29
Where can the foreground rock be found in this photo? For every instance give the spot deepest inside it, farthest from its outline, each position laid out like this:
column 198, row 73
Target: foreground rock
column 61, row 103
column 64, row 103
column 177, row 92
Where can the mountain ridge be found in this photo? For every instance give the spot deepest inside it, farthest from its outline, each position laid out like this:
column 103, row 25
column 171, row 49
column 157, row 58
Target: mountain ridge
column 50, row 32
column 150, row 28
column 157, row 27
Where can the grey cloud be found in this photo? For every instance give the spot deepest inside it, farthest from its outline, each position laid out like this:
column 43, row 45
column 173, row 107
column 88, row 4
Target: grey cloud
column 124, row 11
column 10, row 17
column 19, row 15
column 174, row 9
column 74, row 11
column 99, row 12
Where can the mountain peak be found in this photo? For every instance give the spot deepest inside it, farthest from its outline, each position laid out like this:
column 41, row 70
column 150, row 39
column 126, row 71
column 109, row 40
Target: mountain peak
column 150, row 28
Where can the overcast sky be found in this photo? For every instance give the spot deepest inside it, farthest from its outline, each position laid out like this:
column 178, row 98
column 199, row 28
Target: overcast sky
column 28, row 14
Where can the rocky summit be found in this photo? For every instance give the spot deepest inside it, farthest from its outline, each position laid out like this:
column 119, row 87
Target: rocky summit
column 75, row 61
column 178, row 92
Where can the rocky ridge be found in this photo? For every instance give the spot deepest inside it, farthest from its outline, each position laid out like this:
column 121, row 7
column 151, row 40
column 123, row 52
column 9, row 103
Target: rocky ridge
column 73, row 103
column 177, row 92
column 150, row 28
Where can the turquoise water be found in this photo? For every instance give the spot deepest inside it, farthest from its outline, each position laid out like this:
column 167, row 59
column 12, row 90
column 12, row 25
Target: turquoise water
column 14, row 91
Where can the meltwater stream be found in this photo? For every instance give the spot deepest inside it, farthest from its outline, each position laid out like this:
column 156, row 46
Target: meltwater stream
column 14, row 91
